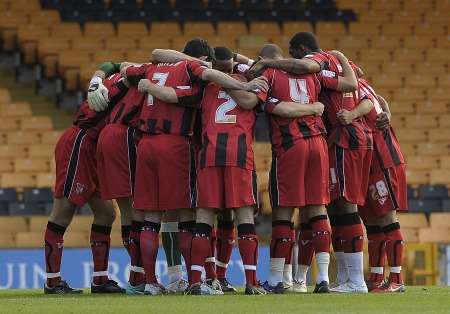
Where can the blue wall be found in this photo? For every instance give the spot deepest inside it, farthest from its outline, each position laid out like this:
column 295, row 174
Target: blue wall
column 26, row 268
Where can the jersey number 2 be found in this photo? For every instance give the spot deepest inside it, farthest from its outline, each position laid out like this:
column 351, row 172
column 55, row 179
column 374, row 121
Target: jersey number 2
column 223, row 109
column 298, row 90
column 160, row 79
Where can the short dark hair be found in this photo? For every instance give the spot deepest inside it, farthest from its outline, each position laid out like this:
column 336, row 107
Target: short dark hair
column 305, row 39
column 223, row 53
column 198, row 47
column 271, row 51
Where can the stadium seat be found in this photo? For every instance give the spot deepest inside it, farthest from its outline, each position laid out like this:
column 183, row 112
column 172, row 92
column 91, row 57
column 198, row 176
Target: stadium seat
column 444, row 121
column 406, row 17
column 251, row 42
column 369, row 29
column 138, row 56
column 66, row 30
column 132, row 29
column 101, row 56
column 421, row 121
column 76, row 239
column 399, row 30
column 430, row 30
column 440, row 176
column 440, row 220
column 415, row 42
column 398, row 107
column 420, row 81
column 87, row 44
column 41, row 151
column 431, row 192
column 22, row 137
column 439, row 135
column 228, row 28
column 31, row 165
column 291, row 28
column 373, row 55
column 424, row 206
column 8, row 124
column 412, row 55
column 433, row 235
column 150, row 43
column 7, row 240
column 435, row 107
column 418, row 177
column 417, row 5
column 386, row 81
column 386, row 5
column 432, row 149
column 353, row 42
column 29, row 240
column 374, row 16
column 201, row 29
column 26, row 209
column 99, row 29
column 50, row 137
column 16, row 109
column 445, row 162
column 422, row 162
column 17, row 180
column 6, row 165
column 412, row 220
column 413, row 135
column 37, row 195
column 120, row 43
column 11, row 151
column 444, row 81
column 327, row 29
column 438, row 94
column 169, row 29
column 13, row 224
column 80, row 224
column 45, row 180
column 36, row 123
column 38, row 223
column 436, row 17
column 410, row 235
column 5, row 97
column 385, row 42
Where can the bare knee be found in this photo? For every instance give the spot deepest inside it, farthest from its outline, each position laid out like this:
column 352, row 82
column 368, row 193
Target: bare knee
column 206, row 216
column 104, row 213
column 63, row 212
column 282, row 213
column 244, row 215
column 342, row 207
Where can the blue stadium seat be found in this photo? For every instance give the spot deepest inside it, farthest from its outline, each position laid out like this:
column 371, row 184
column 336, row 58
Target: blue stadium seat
column 4, row 209
column 156, row 5
column 221, row 5
column 126, row 5
column 191, row 4
column 48, row 208
column 424, row 206
column 8, row 195
column 289, row 5
column 433, row 192
column 446, row 205
column 37, row 195
column 26, row 209
column 411, row 193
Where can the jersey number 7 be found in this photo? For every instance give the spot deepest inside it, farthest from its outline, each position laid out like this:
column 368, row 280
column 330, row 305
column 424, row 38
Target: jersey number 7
column 160, row 79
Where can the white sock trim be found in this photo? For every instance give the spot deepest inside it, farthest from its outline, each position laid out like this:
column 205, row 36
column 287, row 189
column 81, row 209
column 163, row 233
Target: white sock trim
column 210, row 259
column 100, row 273
column 137, row 269
column 377, row 270
column 396, row 269
column 250, row 267
column 53, row 275
column 197, row 268
column 220, row 264
column 169, row 227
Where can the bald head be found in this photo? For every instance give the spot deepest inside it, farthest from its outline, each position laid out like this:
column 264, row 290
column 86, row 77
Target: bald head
column 271, row 51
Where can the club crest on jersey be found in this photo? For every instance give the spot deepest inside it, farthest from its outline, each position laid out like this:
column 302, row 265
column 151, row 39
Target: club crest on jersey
column 80, row 188
column 379, row 192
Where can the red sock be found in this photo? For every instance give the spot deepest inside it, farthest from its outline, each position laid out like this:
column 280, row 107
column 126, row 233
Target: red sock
column 200, row 251
column 185, row 235
column 377, row 252
column 149, row 249
column 137, row 271
column 305, row 245
column 248, row 248
column 352, row 233
column 395, row 246
column 292, row 238
column 100, row 243
column 126, row 229
column 281, row 244
column 321, row 230
column 210, row 263
column 226, row 237
column 53, row 252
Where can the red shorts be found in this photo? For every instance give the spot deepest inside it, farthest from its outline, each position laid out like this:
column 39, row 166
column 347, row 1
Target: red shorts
column 165, row 173
column 226, row 187
column 299, row 176
column 116, row 161
column 76, row 172
column 349, row 173
column 387, row 190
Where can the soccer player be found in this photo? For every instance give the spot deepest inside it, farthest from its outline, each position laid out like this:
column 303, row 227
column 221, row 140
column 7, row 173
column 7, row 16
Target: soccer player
column 350, row 151
column 386, row 195
column 299, row 174
column 165, row 172
column 76, row 185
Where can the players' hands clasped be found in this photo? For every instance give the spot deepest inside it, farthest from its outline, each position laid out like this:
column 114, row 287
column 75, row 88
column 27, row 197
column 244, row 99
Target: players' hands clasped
column 318, row 108
column 256, row 69
column 383, row 120
column 97, row 96
column 144, row 85
column 345, row 117
column 338, row 54
column 257, row 85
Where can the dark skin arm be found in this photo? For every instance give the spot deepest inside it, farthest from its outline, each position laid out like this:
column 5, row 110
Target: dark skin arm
column 384, row 118
column 289, row 109
column 296, row 66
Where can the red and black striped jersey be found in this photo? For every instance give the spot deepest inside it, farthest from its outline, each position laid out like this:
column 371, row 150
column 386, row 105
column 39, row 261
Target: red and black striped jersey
column 285, row 86
column 386, row 144
column 227, row 130
column 356, row 135
column 92, row 121
column 159, row 117
column 128, row 110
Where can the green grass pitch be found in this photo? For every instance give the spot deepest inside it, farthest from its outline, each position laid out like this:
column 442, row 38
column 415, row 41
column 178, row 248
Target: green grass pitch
column 415, row 300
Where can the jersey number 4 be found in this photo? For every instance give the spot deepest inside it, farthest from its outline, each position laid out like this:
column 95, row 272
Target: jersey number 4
column 160, row 79
column 298, row 91
column 223, row 109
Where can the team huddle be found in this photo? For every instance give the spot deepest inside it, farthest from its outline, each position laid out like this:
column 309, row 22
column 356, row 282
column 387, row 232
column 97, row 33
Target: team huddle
column 171, row 142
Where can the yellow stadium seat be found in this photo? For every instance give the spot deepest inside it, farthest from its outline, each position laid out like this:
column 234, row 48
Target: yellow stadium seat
column 421, row 121
column 99, row 29
column 354, row 5
column 398, row 30
column 169, row 29
column 132, row 29
column 402, row 107
column 369, row 68
column 66, row 30
column 17, row 180
column 398, row 68
column 433, row 107
column 178, row 43
column 40, row 123
column 387, row 5
column 408, row 55
column 105, row 55
column 7, row 240
column 437, row 55
column 269, row 29
column 411, row 135
column 386, row 81
column 440, row 176
column 31, row 165
column 25, row 5
column 416, row 42
column 50, row 137
column 87, row 44
column 420, row 81
column 445, row 162
column 429, row 30
column 45, row 179
column 366, row 29
column 411, row 235
column 22, row 137
column 443, row 43
column 432, row 149
column 433, row 235
column 291, row 28
column 440, row 220
column 328, row 43
column 76, row 239
column 80, row 224
column 415, row 177
column 373, row 55
column 235, row 28
column 412, row 220
column 8, row 124
column 436, row 16
column 438, row 94
column 12, row 151
column 29, row 240
column 198, row 29
column 251, row 42
column 385, row 42
column 52, row 46
column 249, row 52
column 38, row 223
column 422, row 162
column 374, row 16
column 444, row 81
column 6, row 165
column 408, row 17
column 398, row 121
column 444, row 121
column 150, row 43
column 116, row 239
column 413, row 5
column 330, row 28
column 353, row 42
column 17, row 109
column 439, row 135
column 229, row 41
column 45, row 17
column 13, row 224
column 120, row 43
column 5, row 97
column 430, row 68
column 31, row 32
column 138, row 56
